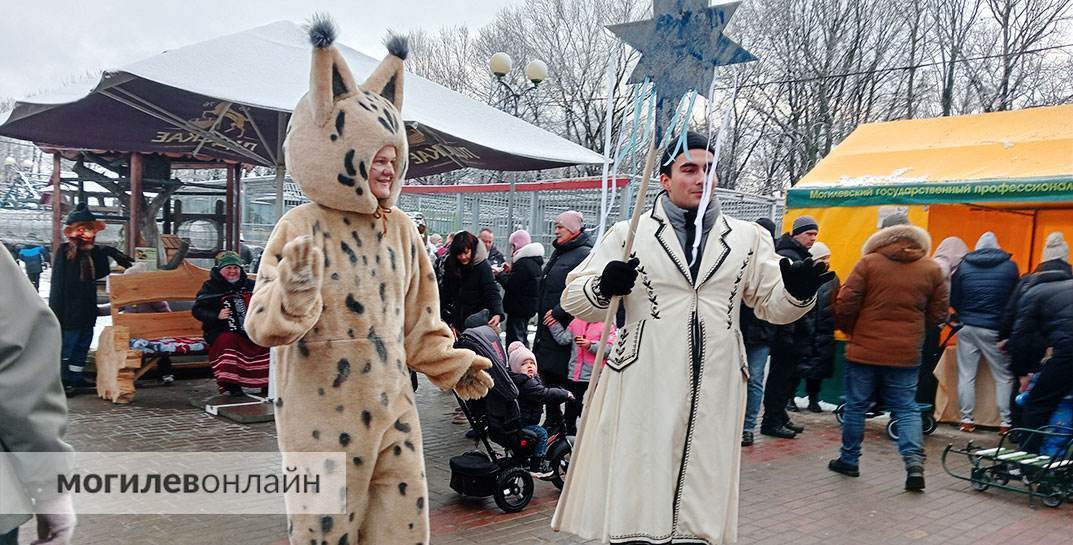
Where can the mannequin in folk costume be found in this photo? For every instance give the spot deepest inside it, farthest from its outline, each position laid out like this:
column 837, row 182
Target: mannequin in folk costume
column 347, row 293
column 76, row 267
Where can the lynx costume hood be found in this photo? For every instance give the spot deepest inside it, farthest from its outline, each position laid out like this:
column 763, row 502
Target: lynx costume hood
column 339, row 125
column 348, row 294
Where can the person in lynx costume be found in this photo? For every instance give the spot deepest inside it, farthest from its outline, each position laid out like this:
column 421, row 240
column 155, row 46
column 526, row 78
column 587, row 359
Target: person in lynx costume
column 347, row 293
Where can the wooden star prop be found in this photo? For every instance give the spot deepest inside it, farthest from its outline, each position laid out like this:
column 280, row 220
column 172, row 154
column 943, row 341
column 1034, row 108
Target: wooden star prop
column 680, row 47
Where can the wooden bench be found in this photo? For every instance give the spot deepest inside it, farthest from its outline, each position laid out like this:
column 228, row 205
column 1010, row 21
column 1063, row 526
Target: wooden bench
column 118, row 365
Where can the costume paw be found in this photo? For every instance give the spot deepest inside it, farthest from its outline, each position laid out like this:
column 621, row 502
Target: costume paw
column 303, row 264
column 476, row 382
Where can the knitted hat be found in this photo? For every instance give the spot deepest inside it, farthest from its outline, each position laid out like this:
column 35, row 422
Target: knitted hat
column 571, row 220
column 894, row 219
column 225, row 258
column 519, row 239
column 517, row 355
column 803, row 224
column 988, row 241
column 1056, row 247
column 819, row 250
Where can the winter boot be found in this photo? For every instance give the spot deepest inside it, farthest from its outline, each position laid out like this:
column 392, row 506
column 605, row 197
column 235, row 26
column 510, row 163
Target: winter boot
column 538, row 468
column 838, row 466
column 914, row 478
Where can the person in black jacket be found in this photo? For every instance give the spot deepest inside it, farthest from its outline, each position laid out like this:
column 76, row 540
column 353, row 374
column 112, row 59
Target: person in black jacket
column 1048, row 309
column 495, row 257
column 572, row 246
column 758, row 336
column 468, row 285
column 979, row 291
column 221, row 304
column 789, row 341
column 817, row 359
column 533, row 396
column 521, row 285
column 1054, row 266
column 76, row 267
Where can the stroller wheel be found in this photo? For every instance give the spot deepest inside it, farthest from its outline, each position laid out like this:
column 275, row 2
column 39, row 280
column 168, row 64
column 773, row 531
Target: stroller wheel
column 930, row 425
column 839, row 412
column 514, row 490
column 891, row 432
column 560, row 463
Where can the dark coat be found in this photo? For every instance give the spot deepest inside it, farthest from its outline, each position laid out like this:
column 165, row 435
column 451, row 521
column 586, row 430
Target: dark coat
column 533, row 396
column 791, row 340
column 786, row 246
column 467, row 290
column 73, row 299
column 981, row 287
column 552, row 356
column 1044, row 319
column 1043, row 272
column 521, row 285
column 210, row 300
column 754, row 331
column 818, row 351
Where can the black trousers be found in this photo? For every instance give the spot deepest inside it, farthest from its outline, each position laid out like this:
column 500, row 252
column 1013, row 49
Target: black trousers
column 517, row 329
column 573, row 408
column 35, row 279
column 1054, row 383
column 781, row 381
column 927, row 384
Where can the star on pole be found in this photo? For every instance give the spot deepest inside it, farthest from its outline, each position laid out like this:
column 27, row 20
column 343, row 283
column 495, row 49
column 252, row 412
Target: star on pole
column 680, row 47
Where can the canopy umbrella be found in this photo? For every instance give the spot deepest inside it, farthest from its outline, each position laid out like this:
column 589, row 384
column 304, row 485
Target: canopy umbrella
column 229, row 98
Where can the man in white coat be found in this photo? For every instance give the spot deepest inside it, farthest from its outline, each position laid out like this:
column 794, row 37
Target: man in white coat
column 659, row 461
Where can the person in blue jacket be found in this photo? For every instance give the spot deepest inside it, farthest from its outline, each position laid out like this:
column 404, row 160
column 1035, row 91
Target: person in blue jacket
column 36, row 259
column 979, row 292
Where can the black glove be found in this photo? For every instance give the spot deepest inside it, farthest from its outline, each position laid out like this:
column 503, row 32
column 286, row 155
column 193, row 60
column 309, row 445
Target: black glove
column 804, row 278
column 618, row 277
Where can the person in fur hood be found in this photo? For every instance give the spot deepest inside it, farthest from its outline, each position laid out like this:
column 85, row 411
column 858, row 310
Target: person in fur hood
column 347, row 294
column 893, row 293
column 521, row 285
column 72, row 296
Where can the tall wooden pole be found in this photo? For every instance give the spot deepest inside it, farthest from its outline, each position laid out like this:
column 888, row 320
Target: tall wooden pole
column 612, row 311
column 237, row 237
column 133, row 230
column 57, row 203
column 229, row 210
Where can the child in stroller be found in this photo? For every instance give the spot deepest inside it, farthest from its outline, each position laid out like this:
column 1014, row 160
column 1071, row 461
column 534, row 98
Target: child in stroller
column 532, row 397
column 498, row 418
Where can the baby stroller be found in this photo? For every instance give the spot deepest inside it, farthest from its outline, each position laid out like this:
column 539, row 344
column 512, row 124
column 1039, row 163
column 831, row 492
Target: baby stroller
column 496, row 419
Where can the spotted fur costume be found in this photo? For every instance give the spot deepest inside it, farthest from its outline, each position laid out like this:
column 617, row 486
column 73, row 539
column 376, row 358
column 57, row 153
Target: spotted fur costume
column 347, row 293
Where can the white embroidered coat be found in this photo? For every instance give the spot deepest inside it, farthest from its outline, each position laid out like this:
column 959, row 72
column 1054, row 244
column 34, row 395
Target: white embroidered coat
column 661, row 462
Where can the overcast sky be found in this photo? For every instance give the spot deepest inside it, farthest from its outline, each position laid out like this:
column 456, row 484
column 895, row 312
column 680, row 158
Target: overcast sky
column 46, row 43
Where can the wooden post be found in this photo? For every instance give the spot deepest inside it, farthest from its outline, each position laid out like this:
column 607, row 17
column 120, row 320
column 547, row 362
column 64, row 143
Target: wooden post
column 133, row 231
column 237, row 237
column 57, row 204
column 229, row 210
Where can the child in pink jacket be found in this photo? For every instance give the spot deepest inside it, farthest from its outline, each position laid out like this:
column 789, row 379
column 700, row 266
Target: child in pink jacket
column 585, row 336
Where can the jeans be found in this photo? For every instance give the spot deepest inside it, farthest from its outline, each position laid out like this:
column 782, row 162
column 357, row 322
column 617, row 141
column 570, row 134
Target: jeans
column 974, row 342
column 75, row 347
column 756, row 355
column 517, row 329
column 898, row 386
column 542, row 439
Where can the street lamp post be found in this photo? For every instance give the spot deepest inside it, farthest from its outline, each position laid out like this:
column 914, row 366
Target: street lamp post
column 500, row 64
